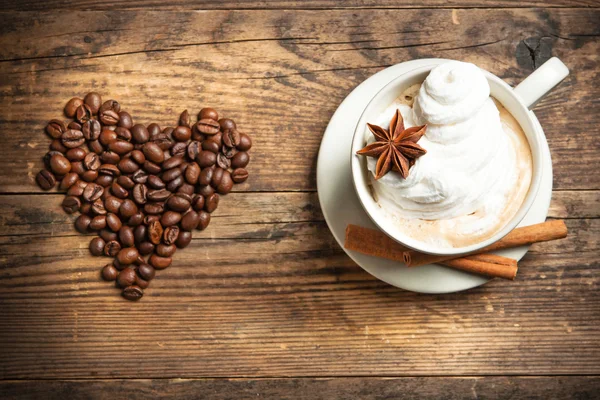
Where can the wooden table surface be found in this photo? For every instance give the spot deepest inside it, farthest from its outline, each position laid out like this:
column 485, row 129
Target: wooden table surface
column 264, row 303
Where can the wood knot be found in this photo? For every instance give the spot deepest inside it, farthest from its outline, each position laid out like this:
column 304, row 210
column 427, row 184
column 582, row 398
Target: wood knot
column 534, row 51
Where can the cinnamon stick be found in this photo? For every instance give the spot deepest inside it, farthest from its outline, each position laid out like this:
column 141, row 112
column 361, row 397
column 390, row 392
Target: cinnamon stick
column 549, row 230
column 375, row 243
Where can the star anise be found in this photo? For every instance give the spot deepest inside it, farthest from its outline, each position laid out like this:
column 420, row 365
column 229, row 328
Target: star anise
column 396, row 148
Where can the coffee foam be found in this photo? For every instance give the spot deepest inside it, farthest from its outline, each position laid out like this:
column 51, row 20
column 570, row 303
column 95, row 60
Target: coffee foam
column 477, row 169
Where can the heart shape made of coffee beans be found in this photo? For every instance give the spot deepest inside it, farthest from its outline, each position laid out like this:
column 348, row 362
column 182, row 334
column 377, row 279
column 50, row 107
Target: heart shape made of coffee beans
column 143, row 190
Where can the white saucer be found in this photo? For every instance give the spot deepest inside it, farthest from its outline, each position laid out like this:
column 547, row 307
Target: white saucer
column 341, row 206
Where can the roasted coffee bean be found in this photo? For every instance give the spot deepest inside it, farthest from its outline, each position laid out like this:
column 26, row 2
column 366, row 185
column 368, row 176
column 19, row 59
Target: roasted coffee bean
column 108, row 235
column 206, row 159
column 138, row 156
column 187, row 189
column 184, row 239
column 170, row 218
column 109, row 157
column 159, row 262
column 226, row 123
column 121, row 147
column 240, row 160
column 74, row 125
column 72, row 138
column 77, row 189
column 109, row 169
column 231, row 137
column 126, row 277
column 108, row 117
column 179, row 149
column 82, row 223
column 97, row 246
column 172, row 163
column 139, row 234
column 126, row 236
column 123, row 133
column 98, row 222
column 107, row 137
column 72, row 106
column 140, row 193
column 155, row 182
column 198, row 202
column 86, row 208
column 98, row 207
column 104, row 181
column 119, row 191
column 170, row 234
column 112, row 249
column 91, row 129
column 154, row 208
column 71, row 204
column 92, row 161
column 217, row 177
column 239, row 175
column 158, row 195
column 113, row 222
column 153, row 152
column 226, row 183
column 132, row 293
column 77, row 167
column 211, row 202
column 146, row 272
column 56, row 128
column 178, row 203
column 206, row 176
column 175, row 184
column 208, row 126
column 109, row 273
column 90, row 176
column 223, row 161
column 204, row 220
column 208, row 113
column 92, row 192
column 128, row 166
column 112, row 204
column 218, row 139
column 126, row 182
column 184, row 119
column 155, row 232
column 127, row 255
column 205, row 190
column 170, row 174
column 154, row 129
column 228, row 152
column 168, row 131
column 151, row 168
column 182, row 133
column 193, row 148
column 125, row 120
column 190, row 221
column 93, row 100
column 83, row 114
column 164, row 250
column 76, row 154
column 45, row 179
column 146, row 248
column 128, row 208
column 197, row 135
column 57, row 145
column 68, row 180
column 163, row 140
column 136, row 219
column 211, row 145
column 140, row 134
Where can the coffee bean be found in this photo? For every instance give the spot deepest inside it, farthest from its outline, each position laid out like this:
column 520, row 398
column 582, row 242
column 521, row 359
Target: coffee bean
column 184, row 119
column 190, row 221
column 175, row 184
column 155, row 232
column 146, row 271
column 92, row 161
column 128, row 166
column 128, row 208
column 146, row 248
column 192, row 173
column 74, row 125
column 72, row 138
column 170, row 218
column 163, row 140
column 165, row 250
column 171, row 163
column 239, row 175
column 228, row 152
column 109, row 157
column 139, row 134
column 140, row 193
column 158, row 195
column 113, row 222
column 218, row 139
column 138, row 156
column 231, row 137
column 198, row 202
column 171, row 234
column 178, row 203
column 91, row 129
column 155, row 182
column 126, row 182
column 204, row 220
column 120, row 147
column 208, row 126
column 240, row 160
column 56, row 128
column 132, row 293
column 141, row 283
column 208, row 113
column 97, row 246
column 192, row 149
column 211, row 203
column 82, row 223
column 206, row 176
column 90, row 176
column 139, row 234
column 125, row 120
column 68, row 180
column 109, row 273
column 123, row 133
column 77, row 189
column 183, row 240
column 179, row 149
column 169, row 175
column 98, row 223
column 126, row 277
column 226, row 183
column 152, row 168
column 108, row 235
column 104, row 181
column 154, row 129
column 153, row 208
column 56, row 145
column 83, row 114
column 197, row 135
column 45, row 179
column 226, row 123
column 217, row 177
column 140, row 176
column 72, row 106
column 77, row 167
column 205, row 190
column 153, row 152
column 93, row 100
column 112, row 204
column 127, row 255
column 223, row 161
column 206, row 159
column 159, row 262
column 76, row 154
column 92, row 192
column 136, row 219
column 182, row 133
column 108, row 117
column 107, row 137
column 98, row 207
column 126, row 236
column 119, row 191
column 71, row 204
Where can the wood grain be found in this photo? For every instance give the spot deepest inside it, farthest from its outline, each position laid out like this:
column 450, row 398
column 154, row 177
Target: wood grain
column 281, row 76
column 453, row 388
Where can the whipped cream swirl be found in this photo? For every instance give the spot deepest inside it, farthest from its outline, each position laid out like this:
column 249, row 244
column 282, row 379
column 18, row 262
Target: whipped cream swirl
column 470, row 164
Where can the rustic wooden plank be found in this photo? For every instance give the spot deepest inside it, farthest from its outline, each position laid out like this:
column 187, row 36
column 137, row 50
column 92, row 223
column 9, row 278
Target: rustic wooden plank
column 287, row 302
column 38, row 5
column 526, row 388
column 281, row 74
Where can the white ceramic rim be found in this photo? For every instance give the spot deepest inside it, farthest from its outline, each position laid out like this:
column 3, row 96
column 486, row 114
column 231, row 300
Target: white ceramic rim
column 502, row 92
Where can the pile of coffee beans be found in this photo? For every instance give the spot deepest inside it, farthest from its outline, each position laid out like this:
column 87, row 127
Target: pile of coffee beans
column 141, row 188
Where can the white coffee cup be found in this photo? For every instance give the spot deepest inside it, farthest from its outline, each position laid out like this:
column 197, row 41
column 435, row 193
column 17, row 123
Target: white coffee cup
column 517, row 101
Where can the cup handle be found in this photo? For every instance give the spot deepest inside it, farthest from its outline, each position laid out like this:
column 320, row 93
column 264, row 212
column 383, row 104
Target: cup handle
column 536, row 85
